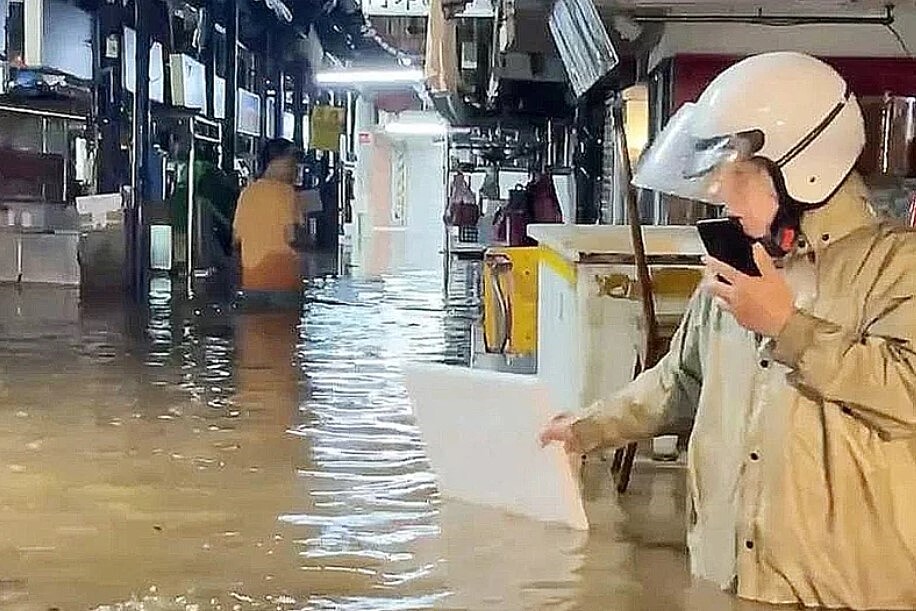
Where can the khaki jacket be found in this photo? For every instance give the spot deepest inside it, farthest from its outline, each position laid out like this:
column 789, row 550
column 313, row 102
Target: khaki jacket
column 802, row 460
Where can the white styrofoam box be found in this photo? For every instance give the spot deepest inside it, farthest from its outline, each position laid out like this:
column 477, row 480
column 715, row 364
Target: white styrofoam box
column 481, row 433
column 96, row 210
column 589, row 342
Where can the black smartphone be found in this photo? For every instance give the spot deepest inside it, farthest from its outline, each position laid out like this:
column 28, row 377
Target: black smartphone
column 726, row 241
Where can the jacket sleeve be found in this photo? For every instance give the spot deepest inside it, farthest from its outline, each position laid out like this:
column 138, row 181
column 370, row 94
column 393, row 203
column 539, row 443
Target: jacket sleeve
column 660, row 396
column 870, row 372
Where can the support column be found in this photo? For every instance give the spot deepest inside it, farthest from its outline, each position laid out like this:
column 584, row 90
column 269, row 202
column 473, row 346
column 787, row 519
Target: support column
column 232, row 84
column 137, row 246
column 208, row 59
column 112, row 166
column 298, row 106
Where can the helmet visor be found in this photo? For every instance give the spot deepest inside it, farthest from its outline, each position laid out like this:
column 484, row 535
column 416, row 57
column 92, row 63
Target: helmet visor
column 680, row 164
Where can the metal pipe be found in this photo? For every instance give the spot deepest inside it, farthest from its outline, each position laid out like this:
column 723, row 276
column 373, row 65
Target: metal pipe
column 189, row 265
column 280, row 106
column 760, row 18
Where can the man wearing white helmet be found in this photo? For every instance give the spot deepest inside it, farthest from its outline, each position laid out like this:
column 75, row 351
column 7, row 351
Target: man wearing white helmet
column 802, row 381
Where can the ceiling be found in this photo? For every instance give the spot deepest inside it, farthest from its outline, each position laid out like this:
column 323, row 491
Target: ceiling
column 752, row 6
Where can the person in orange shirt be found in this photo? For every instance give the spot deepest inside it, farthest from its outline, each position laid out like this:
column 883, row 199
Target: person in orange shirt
column 265, row 224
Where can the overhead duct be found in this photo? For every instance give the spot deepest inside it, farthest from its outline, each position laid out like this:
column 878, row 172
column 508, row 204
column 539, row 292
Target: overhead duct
column 760, row 17
column 583, row 43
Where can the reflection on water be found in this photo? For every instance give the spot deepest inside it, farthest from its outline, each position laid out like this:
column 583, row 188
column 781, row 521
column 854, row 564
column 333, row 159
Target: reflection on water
column 198, row 457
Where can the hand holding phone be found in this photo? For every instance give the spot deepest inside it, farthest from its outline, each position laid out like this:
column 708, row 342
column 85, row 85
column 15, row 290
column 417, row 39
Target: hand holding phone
column 726, row 241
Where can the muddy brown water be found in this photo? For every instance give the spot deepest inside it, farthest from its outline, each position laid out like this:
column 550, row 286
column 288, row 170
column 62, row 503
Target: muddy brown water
column 188, row 457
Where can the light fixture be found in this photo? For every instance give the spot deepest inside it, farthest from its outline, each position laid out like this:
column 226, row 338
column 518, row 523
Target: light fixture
column 418, row 128
column 349, row 76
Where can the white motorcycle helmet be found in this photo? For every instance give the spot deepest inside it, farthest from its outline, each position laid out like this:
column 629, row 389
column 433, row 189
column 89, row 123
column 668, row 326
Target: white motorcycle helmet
column 790, row 109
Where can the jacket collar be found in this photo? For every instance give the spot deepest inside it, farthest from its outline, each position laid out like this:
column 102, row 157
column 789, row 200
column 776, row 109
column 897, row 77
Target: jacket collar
column 846, row 211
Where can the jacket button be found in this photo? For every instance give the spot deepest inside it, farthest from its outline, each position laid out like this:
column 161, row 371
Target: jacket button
column 764, row 363
column 846, row 410
column 749, row 544
column 755, row 456
column 825, row 237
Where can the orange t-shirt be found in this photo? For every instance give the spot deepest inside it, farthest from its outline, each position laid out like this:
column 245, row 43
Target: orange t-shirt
column 265, row 212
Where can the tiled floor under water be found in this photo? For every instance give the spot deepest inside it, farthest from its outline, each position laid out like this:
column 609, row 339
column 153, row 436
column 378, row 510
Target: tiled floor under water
column 182, row 458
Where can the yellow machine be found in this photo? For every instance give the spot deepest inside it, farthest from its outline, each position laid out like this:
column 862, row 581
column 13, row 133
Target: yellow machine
column 510, row 296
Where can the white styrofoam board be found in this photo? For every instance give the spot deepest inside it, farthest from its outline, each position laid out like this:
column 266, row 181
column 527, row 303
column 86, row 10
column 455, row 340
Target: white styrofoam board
column 481, row 434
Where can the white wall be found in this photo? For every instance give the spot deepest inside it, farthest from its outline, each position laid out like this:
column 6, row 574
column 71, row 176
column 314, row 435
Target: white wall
column 382, row 243
column 361, row 183
column 425, row 206
column 824, row 40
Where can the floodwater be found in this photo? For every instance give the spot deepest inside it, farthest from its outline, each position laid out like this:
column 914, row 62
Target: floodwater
column 194, row 457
